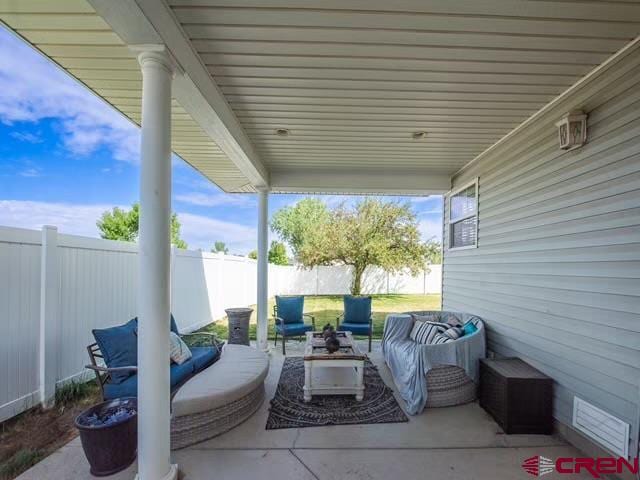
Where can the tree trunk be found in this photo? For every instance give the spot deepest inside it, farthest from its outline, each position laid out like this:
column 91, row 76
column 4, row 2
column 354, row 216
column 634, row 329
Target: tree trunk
column 356, row 284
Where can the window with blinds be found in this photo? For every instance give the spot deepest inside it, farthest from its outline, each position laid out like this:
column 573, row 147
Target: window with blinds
column 463, row 217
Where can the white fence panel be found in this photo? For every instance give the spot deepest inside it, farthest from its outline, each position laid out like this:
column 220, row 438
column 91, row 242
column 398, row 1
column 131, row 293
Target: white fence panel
column 96, row 282
column 19, row 320
column 333, row 280
column 195, row 288
column 98, row 285
column 303, row 281
column 433, row 281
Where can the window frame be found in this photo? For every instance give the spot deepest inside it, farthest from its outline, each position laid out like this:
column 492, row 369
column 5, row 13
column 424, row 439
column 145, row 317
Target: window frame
column 451, row 222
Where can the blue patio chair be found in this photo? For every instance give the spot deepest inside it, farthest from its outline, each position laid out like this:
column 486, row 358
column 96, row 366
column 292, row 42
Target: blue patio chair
column 356, row 317
column 289, row 318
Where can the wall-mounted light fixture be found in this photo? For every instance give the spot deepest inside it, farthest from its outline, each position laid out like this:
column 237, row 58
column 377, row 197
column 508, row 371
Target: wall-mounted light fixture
column 572, row 130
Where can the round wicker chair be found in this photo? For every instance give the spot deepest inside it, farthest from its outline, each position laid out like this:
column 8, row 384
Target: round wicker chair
column 448, row 385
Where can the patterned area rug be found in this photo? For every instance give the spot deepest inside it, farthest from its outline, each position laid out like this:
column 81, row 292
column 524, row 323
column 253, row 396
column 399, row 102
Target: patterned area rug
column 288, row 409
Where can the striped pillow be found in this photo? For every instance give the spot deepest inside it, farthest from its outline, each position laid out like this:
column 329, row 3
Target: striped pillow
column 178, row 350
column 453, row 320
column 439, row 338
column 423, row 332
column 454, row 333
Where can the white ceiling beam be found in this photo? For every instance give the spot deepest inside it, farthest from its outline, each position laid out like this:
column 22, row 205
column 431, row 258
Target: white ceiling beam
column 367, row 180
column 151, row 21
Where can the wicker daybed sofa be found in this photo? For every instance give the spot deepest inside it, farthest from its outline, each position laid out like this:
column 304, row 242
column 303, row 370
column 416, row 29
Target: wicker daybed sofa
column 433, row 375
column 212, row 392
column 220, row 397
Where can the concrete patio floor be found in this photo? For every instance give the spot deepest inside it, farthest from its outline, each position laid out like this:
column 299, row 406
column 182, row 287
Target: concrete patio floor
column 448, row 443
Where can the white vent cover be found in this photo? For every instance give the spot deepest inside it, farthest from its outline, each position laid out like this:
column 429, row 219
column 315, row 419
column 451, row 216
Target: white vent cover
column 609, row 431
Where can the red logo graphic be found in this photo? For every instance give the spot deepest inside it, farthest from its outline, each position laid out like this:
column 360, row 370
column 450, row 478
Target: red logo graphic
column 538, row 465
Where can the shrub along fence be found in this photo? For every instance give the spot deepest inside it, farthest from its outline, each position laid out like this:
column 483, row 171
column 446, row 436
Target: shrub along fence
column 56, row 288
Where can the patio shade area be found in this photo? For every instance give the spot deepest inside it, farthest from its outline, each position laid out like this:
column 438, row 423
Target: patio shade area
column 524, row 114
column 457, row 442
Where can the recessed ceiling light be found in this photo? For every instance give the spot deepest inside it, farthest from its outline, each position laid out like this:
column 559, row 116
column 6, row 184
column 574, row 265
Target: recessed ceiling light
column 418, row 135
column 283, row 132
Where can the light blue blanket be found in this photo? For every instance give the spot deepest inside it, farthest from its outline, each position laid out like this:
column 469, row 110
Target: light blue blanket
column 410, row 362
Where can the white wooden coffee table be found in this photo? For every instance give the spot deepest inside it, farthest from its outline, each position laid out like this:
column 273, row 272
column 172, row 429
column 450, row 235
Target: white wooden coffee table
column 337, row 373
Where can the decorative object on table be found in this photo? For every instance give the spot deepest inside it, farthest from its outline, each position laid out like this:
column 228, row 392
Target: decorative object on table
column 238, row 319
column 518, row 396
column 327, row 330
column 109, row 435
column 289, row 316
column 289, row 410
column 434, row 375
column 117, row 347
column 337, row 372
column 332, row 343
column 356, row 317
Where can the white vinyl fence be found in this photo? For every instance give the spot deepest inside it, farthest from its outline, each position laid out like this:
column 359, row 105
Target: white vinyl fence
column 56, row 288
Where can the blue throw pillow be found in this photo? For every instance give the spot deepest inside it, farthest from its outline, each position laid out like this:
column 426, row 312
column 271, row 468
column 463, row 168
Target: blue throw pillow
column 290, row 309
column 357, row 309
column 119, row 347
column 469, row 328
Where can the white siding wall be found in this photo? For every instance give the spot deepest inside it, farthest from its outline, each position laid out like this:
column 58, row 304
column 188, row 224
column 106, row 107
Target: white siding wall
column 97, row 289
column 556, row 274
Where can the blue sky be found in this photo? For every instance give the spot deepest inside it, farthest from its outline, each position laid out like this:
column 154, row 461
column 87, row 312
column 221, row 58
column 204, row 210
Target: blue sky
column 66, row 156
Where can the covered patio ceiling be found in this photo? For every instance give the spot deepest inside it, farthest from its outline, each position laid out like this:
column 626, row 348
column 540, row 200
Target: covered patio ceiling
column 351, row 82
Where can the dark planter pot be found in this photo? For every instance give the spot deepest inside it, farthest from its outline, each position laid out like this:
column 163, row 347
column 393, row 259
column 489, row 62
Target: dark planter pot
column 109, row 447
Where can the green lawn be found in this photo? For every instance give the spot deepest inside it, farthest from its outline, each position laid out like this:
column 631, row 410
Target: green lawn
column 326, row 308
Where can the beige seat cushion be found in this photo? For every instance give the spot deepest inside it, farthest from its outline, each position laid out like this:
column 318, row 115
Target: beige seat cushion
column 239, row 371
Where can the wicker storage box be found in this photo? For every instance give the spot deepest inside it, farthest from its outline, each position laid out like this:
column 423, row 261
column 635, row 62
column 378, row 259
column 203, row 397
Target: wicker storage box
column 516, row 395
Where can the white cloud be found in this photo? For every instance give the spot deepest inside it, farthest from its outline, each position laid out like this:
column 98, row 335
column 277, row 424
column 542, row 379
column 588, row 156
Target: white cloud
column 26, row 137
column 69, row 218
column 198, row 231
column 430, row 229
column 201, row 232
column 32, row 89
column 30, row 172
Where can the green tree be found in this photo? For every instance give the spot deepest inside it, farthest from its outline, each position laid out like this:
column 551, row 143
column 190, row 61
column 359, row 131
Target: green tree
column 220, row 247
column 371, row 233
column 278, row 253
column 302, row 226
column 253, row 254
column 119, row 224
column 434, row 252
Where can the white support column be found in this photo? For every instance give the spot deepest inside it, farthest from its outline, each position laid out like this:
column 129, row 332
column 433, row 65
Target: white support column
column 263, row 269
column 154, row 286
column 49, row 284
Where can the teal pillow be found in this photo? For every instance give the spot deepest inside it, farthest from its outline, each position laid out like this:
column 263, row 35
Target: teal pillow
column 119, row 347
column 469, row 328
